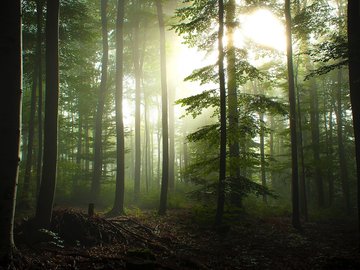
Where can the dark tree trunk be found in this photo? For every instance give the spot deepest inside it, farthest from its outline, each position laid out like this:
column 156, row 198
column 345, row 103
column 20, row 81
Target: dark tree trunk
column 171, row 140
column 292, row 102
column 222, row 165
column 30, row 138
column 233, row 140
column 262, row 154
column 118, row 207
column 302, row 182
column 48, row 182
column 164, row 113
column 315, row 139
column 137, row 109
column 354, row 73
column 98, row 151
column 10, row 117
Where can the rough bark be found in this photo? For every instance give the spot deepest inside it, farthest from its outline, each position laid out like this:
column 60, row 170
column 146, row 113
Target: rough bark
column 292, row 102
column 164, row 113
column 233, row 140
column 344, row 177
column 98, row 159
column 118, row 207
column 48, row 183
column 137, row 71
column 354, row 73
column 222, row 164
column 10, row 117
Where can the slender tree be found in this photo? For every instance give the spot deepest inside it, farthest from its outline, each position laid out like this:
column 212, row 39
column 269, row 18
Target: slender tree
column 164, row 113
column 292, row 102
column 137, row 71
column 222, row 165
column 354, row 73
column 10, row 116
column 118, row 207
column 98, row 157
column 233, row 138
column 48, row 182
column 31, row 120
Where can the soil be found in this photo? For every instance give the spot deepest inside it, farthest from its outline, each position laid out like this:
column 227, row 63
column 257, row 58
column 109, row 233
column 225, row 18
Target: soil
column 178, row 241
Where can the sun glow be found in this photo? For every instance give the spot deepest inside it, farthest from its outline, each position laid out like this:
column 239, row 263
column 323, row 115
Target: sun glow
column 264, row 28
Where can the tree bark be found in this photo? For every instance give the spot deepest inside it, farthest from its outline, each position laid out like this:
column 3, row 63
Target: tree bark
column 292, row 102
column 137, row 110
column 118, row 207
column 354, row 73
column 35, row 84
column 164, row 113
column 98, row 156
column 233, row 140
column 48, row 182
column 222, row 165
column 10, row 117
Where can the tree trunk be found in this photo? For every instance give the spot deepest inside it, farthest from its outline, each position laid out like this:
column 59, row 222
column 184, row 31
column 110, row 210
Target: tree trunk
column 48, row 182
column 164, row 113
column 98, row 155
column 30, row 138
column 137, row 110
column 315, row 139
column 222, row 165
column 118, row 207
column 10, row 117
column 354, row 73
column 292, row 102
column 171, row 140
column 233, row 140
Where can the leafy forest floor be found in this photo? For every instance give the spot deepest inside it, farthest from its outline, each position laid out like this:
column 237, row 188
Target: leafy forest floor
column 182, row 240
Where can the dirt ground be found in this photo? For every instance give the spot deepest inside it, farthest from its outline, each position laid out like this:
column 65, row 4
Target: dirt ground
column 175, row 241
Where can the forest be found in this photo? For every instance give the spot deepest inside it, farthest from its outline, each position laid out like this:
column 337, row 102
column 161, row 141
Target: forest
column 189, row 134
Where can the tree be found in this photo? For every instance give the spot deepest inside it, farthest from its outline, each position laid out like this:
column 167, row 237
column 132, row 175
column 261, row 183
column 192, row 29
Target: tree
column 164, row 113
column 10, row 115
column 222, row 165
column 292, row 102
column 354, row 73
column 232, row 99
column 36, row 84
column 118, row 207
column 137, row 71
column 48, row 182
column 98, row 159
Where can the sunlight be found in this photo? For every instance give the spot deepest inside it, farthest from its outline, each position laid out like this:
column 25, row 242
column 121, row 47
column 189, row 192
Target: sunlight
column 264, row 28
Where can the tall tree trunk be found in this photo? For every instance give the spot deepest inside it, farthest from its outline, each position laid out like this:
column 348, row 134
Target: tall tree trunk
column 48, row 182
column 315, row 138
column 222, row 165
column 118, row 207
column 171, row 139
column 292, row 102
column 354, row 73
column 302, row 187
column 233, row 140
column 137, row 110
column 10, row 117
column 262, row 153
column 164, row 113
column 30, row 138
column 329, row 146
column 98, row 148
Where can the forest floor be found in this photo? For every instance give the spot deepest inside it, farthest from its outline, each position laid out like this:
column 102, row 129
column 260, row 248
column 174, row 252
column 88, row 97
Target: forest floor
column 179, row 241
